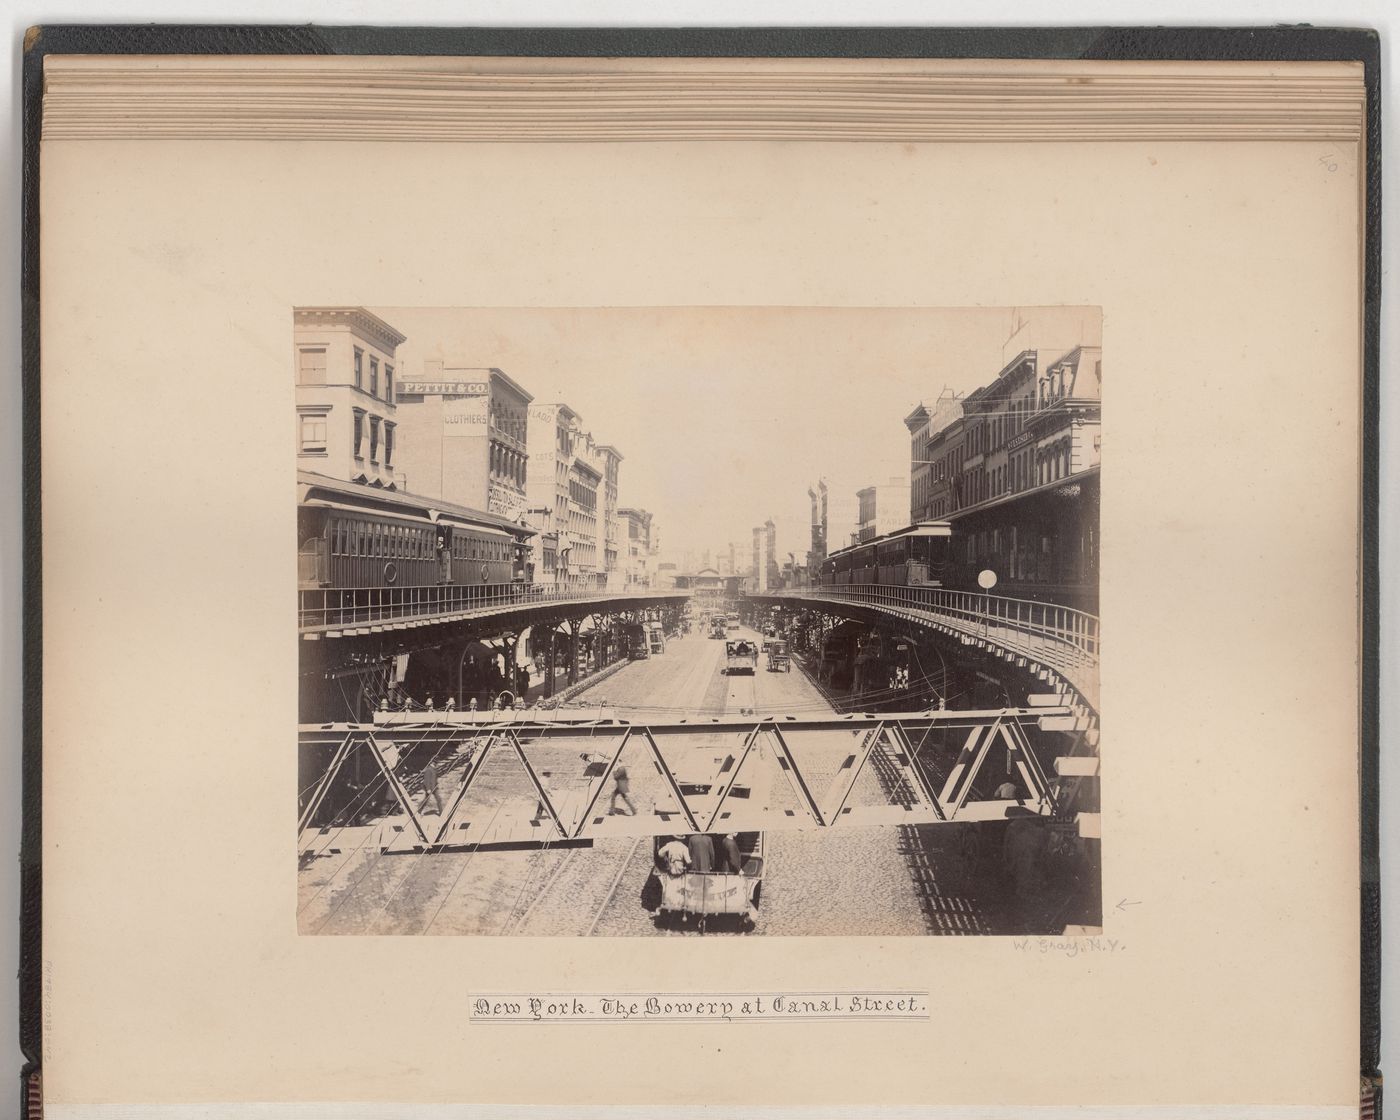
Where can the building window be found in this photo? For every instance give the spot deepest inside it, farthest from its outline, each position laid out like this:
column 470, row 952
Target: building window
column 374, row 377
column 311, row 366
column 388, row 387
column 388, row 445
column 374, row 439
column 359, row 433
column 313, row 433
column 359, row 368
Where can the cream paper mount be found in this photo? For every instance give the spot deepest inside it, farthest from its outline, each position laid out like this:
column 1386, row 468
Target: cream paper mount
column 1214, row 211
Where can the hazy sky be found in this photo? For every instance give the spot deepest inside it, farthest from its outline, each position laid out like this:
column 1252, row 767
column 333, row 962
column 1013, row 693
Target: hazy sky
column 725, row 416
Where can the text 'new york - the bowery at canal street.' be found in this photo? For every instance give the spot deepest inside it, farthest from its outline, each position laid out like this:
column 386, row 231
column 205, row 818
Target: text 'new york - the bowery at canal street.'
column 727, row 1007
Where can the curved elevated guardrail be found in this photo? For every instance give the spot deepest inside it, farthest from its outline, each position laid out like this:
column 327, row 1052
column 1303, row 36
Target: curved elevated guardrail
column 1047, row 638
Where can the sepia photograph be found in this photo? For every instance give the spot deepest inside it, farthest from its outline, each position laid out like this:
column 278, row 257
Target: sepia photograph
column 698, row 621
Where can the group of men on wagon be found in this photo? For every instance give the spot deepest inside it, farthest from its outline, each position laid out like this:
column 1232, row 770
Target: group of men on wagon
column 700, row 852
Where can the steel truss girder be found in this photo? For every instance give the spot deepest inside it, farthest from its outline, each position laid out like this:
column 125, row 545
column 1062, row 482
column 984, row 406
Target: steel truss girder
column 889, row 733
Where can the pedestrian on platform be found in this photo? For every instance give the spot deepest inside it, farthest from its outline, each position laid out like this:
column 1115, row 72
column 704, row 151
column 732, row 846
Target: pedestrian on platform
column 522, row 681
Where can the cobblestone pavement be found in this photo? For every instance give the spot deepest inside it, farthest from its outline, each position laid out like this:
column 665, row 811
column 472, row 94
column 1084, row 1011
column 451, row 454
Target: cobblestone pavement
column 862, row 881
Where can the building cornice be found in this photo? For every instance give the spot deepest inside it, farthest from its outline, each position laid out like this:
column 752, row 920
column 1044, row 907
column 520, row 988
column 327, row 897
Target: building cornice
column 364, row 322
column 511, row 384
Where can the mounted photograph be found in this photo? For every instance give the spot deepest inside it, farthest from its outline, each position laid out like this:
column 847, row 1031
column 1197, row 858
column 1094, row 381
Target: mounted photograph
column 697, row 621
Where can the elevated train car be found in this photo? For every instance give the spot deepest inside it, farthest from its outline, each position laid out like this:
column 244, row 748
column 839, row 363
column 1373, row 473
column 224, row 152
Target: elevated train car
column 915, row 556
column 1057, row 565
column 354, row 538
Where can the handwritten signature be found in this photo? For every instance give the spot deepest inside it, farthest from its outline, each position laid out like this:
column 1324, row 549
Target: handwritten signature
column 1068, row 946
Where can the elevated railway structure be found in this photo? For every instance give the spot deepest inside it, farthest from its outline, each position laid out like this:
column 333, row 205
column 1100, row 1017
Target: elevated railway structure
column 1053, row 649
column 348, row 650
column 461, row 781
column 1057, row 645
column 337, row 616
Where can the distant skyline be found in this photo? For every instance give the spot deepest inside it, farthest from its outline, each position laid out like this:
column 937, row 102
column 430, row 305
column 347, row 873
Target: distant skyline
column 726, row 415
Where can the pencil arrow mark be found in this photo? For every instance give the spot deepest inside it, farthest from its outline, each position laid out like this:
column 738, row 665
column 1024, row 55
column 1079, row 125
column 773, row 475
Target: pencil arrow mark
column 1124, row 903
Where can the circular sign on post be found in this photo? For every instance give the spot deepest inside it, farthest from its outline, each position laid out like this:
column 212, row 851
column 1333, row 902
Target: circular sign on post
column 986, row 579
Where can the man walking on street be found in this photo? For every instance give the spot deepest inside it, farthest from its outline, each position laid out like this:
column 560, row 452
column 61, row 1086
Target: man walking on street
column 622, row 786
column 430, row 789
